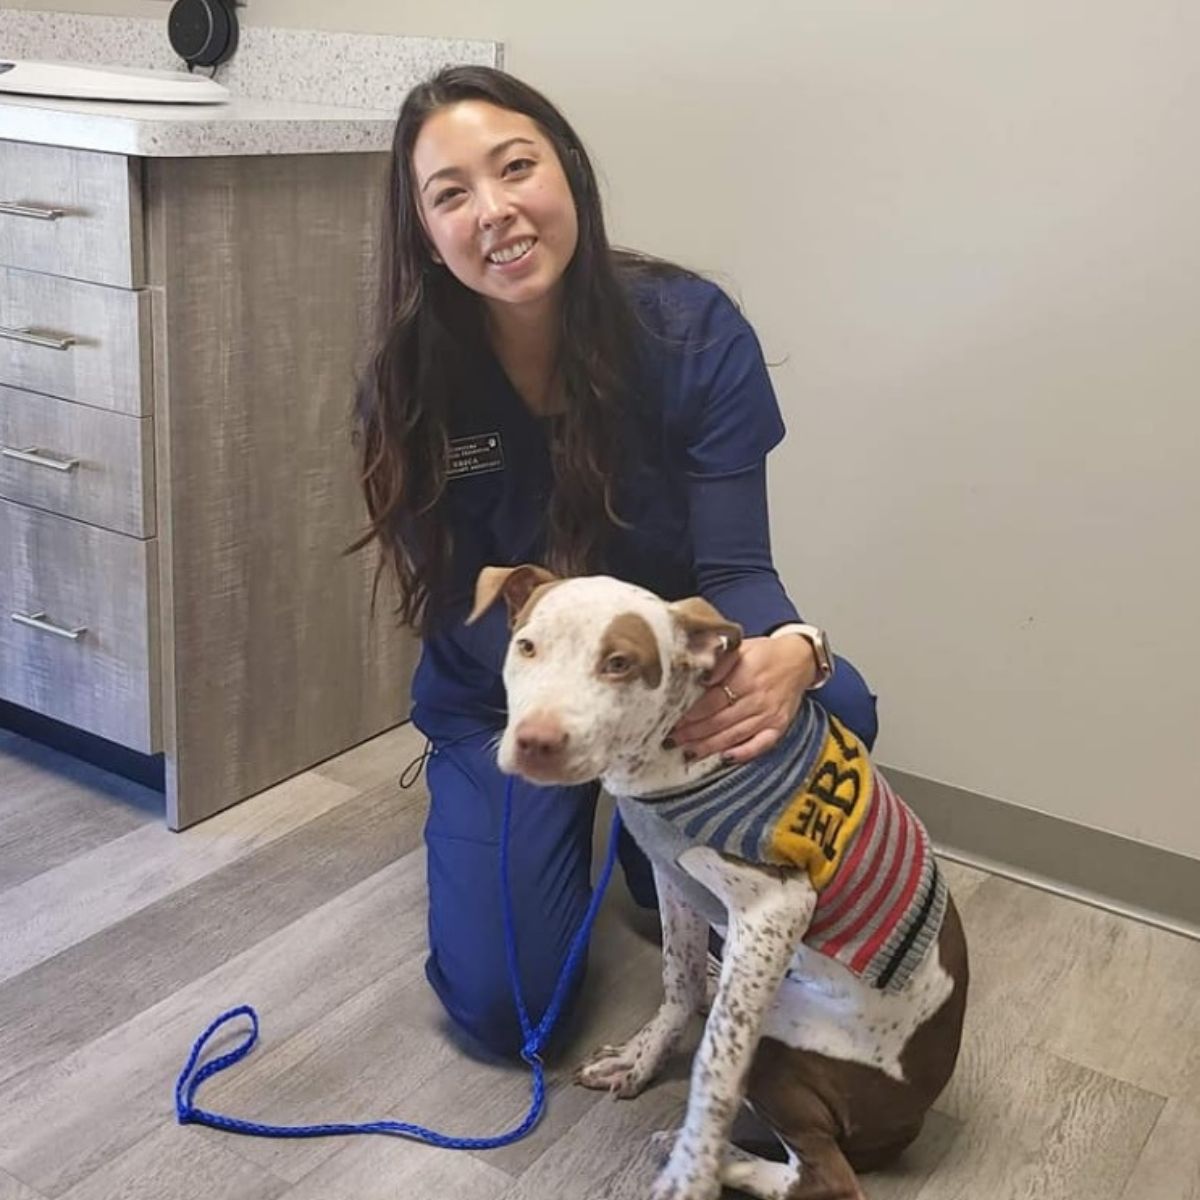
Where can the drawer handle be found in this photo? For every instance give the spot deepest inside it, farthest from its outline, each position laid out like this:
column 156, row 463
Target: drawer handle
column 39, row 458
column 30, row 338
column 38, row 621
column 36, row 211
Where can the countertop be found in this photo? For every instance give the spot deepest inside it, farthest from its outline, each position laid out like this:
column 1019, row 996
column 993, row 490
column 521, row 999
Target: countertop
column 243, row 126
column 294, row 91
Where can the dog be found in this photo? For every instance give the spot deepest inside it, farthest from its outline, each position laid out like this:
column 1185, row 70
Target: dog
column 837, row 1016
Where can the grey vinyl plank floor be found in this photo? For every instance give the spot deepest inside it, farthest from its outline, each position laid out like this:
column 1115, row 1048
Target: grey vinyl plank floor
column 120, row 941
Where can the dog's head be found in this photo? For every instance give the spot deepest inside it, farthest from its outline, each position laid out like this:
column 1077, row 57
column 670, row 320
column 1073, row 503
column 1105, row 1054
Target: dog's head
column 597, row 670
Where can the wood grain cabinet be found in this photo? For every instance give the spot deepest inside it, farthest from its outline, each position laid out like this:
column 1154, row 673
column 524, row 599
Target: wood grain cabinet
column 178, row 344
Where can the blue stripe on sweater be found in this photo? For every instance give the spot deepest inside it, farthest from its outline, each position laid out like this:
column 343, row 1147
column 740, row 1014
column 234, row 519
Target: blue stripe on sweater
column 810, row 740
column 735, row 812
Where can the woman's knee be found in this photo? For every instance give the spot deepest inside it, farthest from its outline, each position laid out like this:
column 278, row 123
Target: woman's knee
column 484, row 1007
column 848, row 698
column 485, row 1012
column 468, row 961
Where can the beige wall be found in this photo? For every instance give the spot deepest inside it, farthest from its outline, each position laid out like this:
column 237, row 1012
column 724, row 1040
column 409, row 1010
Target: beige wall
column 971, row 231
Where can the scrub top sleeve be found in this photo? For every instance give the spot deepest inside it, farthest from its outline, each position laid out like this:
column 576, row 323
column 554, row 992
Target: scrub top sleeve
column 731, row 542
column 730, row 414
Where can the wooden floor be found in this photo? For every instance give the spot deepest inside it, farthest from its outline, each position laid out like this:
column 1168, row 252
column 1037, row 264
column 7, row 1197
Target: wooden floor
column 119, row 942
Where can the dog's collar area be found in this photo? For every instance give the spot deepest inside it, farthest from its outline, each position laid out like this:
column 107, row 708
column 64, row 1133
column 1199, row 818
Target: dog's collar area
column 795, row 739
column 692, row 787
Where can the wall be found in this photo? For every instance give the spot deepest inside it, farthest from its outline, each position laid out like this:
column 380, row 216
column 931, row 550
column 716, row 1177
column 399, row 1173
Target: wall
column 969, row 234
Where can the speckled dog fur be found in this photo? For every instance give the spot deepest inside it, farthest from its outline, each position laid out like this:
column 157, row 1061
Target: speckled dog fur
column 597, row 673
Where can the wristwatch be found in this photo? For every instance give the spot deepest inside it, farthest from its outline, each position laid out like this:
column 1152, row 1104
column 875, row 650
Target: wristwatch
column 822, row 651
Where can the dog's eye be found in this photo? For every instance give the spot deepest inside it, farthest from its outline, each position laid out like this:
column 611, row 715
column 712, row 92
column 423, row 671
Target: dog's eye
column 525, row 647
column 617, row 664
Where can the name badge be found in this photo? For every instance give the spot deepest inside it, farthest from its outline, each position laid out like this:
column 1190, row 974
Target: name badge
column 478, row 454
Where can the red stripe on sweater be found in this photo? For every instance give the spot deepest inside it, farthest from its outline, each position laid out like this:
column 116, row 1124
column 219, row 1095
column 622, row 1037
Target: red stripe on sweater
column 876, row 902
column 829, row 914
column 845, row 872
column 868, row 951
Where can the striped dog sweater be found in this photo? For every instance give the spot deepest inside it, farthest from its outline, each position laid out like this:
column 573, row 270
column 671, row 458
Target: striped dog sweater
column 814, row 801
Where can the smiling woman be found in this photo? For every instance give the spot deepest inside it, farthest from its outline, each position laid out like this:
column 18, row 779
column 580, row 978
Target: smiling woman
column 538, row 396
column 502, row 219
column 497, row 208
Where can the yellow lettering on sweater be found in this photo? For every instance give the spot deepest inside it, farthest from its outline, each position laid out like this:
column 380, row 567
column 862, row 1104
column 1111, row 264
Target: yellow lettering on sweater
column 820, row 821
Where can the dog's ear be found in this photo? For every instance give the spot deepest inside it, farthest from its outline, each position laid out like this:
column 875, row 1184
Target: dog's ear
column 515, row 584
column 709, row 635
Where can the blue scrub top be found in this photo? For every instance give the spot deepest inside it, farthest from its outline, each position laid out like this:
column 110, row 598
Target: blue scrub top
column 704, row 418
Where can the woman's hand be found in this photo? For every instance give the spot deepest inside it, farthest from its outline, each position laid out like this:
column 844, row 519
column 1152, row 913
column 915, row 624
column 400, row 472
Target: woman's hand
column 753, row 695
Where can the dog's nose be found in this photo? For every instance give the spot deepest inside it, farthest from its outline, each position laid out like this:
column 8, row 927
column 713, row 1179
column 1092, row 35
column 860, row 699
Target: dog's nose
column 540, row 738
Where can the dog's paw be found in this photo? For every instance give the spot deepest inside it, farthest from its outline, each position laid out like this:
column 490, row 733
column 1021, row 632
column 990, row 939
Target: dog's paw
column 683, row 1176
column 671, row 1185
column 621, row 1070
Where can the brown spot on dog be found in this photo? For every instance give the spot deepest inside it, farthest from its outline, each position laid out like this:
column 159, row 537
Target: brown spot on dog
column 708, row 633
column 841, row 1116
column 630, row 638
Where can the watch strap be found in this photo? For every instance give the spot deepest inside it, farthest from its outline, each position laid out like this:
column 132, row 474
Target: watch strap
column 820, row 644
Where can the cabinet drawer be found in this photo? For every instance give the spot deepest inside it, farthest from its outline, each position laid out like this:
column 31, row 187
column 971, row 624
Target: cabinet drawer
column 78, row 617
column 88, row 463
column 80, row 341
column 71, row 212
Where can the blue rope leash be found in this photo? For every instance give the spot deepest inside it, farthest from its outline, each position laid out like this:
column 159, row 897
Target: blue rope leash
column 190, row 1078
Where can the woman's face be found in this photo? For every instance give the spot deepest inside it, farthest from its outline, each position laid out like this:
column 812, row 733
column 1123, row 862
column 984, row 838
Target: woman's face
column 495, row 202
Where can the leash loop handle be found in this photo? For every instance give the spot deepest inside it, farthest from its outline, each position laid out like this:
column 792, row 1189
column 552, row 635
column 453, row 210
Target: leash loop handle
column 190, row 1078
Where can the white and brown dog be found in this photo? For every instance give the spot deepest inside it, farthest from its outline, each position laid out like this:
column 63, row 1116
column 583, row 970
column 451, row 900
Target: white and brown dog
column 838, row 1013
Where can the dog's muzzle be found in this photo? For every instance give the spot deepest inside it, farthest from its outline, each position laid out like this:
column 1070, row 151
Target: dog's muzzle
column 539, row 744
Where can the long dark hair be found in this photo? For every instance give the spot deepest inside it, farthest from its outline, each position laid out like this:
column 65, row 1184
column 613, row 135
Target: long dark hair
column 430, row 327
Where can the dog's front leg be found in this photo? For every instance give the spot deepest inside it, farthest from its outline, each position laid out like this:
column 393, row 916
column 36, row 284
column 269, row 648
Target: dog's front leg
column 626, row 1070
column 769, row 912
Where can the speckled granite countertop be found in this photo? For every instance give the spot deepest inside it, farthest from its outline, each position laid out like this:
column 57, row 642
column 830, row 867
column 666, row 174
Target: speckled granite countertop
column 191, row 130
column 294, row 91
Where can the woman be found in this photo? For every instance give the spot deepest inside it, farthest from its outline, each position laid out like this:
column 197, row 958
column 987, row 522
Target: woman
column 540, row 397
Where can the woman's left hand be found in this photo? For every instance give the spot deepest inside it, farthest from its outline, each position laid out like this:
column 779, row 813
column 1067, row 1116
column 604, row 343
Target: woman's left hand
column 753, row 695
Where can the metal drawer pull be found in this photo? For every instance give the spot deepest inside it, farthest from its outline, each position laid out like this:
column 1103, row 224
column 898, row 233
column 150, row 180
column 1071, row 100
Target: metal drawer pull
column 38, row 621
column 39, row 458
column 36, row 211
column 36, row 339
